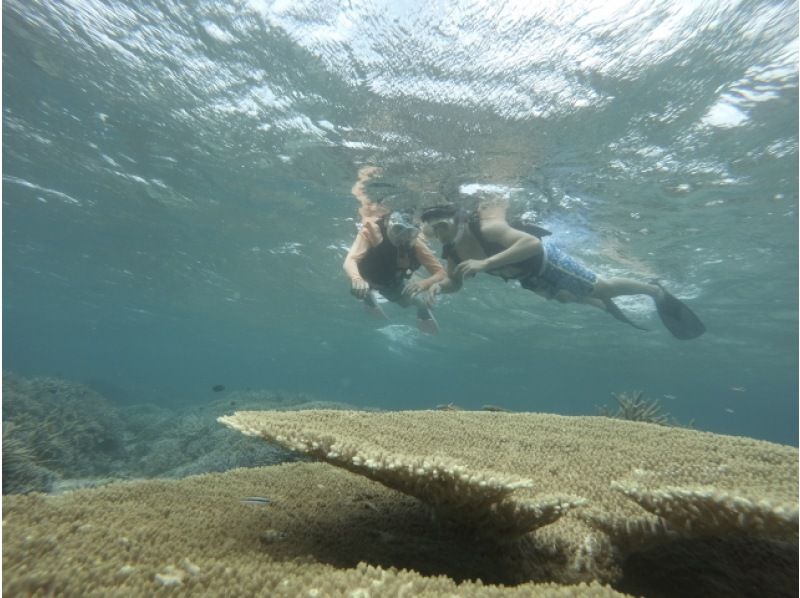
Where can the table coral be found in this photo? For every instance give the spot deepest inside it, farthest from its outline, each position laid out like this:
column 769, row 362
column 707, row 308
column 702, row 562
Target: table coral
column 581, row 494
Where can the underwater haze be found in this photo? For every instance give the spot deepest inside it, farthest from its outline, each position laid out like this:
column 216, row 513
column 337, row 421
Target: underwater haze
column 177, row 206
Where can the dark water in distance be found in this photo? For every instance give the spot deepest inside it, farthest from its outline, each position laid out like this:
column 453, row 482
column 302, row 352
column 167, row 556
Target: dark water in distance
column 176, row 197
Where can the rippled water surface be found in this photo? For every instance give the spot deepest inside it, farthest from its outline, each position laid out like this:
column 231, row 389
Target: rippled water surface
column 176, row 196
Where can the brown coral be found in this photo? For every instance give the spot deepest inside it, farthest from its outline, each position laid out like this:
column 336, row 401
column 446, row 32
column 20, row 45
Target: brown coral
column 325, row 533
column 507, row 474
column 484, row 480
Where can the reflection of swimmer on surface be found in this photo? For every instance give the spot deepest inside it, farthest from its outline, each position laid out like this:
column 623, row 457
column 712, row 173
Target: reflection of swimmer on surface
column 386, row 253
column 483, row 241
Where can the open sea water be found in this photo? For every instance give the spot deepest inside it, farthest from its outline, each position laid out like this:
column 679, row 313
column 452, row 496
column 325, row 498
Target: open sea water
column 177, row 207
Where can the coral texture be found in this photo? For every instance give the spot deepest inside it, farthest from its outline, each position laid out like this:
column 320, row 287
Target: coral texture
column 491, row 504
column 324, row 533
column 54, row 428
column 61, row 435
column 592, row 490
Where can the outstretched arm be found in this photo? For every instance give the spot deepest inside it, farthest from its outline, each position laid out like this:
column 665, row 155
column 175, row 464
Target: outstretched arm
column 519, row 247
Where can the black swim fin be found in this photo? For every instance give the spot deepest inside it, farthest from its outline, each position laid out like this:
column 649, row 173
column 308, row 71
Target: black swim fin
column 615, row 311
column 677, row 317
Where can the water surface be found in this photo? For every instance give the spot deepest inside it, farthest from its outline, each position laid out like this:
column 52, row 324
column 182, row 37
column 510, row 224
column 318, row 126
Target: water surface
column 176, row 197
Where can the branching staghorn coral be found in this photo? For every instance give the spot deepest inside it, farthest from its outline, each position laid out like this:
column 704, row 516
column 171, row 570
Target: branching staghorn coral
column 67, row 426
column 23, row 472
column 633, row 406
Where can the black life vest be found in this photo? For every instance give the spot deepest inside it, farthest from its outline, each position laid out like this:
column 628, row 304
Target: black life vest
column 387, row 265
column 529, row 267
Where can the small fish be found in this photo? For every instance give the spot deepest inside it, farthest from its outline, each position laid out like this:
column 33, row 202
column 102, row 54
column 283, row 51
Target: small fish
column 670, row 397
column 738, row 388
column 218, row 387
column 255, row 500
column 727, row 410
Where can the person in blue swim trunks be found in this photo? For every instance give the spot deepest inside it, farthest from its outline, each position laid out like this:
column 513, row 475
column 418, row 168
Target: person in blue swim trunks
column 483, row 241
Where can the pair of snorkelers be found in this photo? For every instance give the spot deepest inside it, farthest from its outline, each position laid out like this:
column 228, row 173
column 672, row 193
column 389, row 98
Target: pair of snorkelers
column 390, row 247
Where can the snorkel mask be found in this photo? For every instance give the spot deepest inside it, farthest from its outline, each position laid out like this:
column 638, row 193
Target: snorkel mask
column 400, row 229
column 446, row 213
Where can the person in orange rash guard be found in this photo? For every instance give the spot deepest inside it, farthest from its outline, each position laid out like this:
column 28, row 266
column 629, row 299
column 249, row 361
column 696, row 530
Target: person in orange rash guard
column 386, row 253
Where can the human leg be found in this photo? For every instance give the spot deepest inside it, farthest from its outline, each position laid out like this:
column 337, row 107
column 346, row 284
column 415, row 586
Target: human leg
column 567, row 279
column 675, row 315
column 607, row 288
column 561, row 272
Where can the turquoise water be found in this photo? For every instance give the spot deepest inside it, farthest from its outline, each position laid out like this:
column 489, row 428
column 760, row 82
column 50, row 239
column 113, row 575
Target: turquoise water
column 176, row 197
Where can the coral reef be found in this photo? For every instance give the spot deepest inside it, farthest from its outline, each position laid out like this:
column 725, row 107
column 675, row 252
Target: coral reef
column 21, row 472
column 489, row 504
column 59, row 435
column 194, row 443
column 325, row 532
column 167, row 443
column 485, row 503
column 50, row 426
column 568, row 499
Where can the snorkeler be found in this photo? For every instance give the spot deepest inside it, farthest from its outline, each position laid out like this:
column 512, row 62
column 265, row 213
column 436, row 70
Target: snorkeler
column 483, row 241
column 385, row 254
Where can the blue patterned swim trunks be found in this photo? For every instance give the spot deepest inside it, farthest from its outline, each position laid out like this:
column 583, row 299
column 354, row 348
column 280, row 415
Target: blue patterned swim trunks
column 560, row 272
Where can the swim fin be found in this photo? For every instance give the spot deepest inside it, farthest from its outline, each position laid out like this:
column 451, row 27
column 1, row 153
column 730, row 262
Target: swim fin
column 373, row 307
column 677, row 317
column 425, row 320
column 615, row 311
